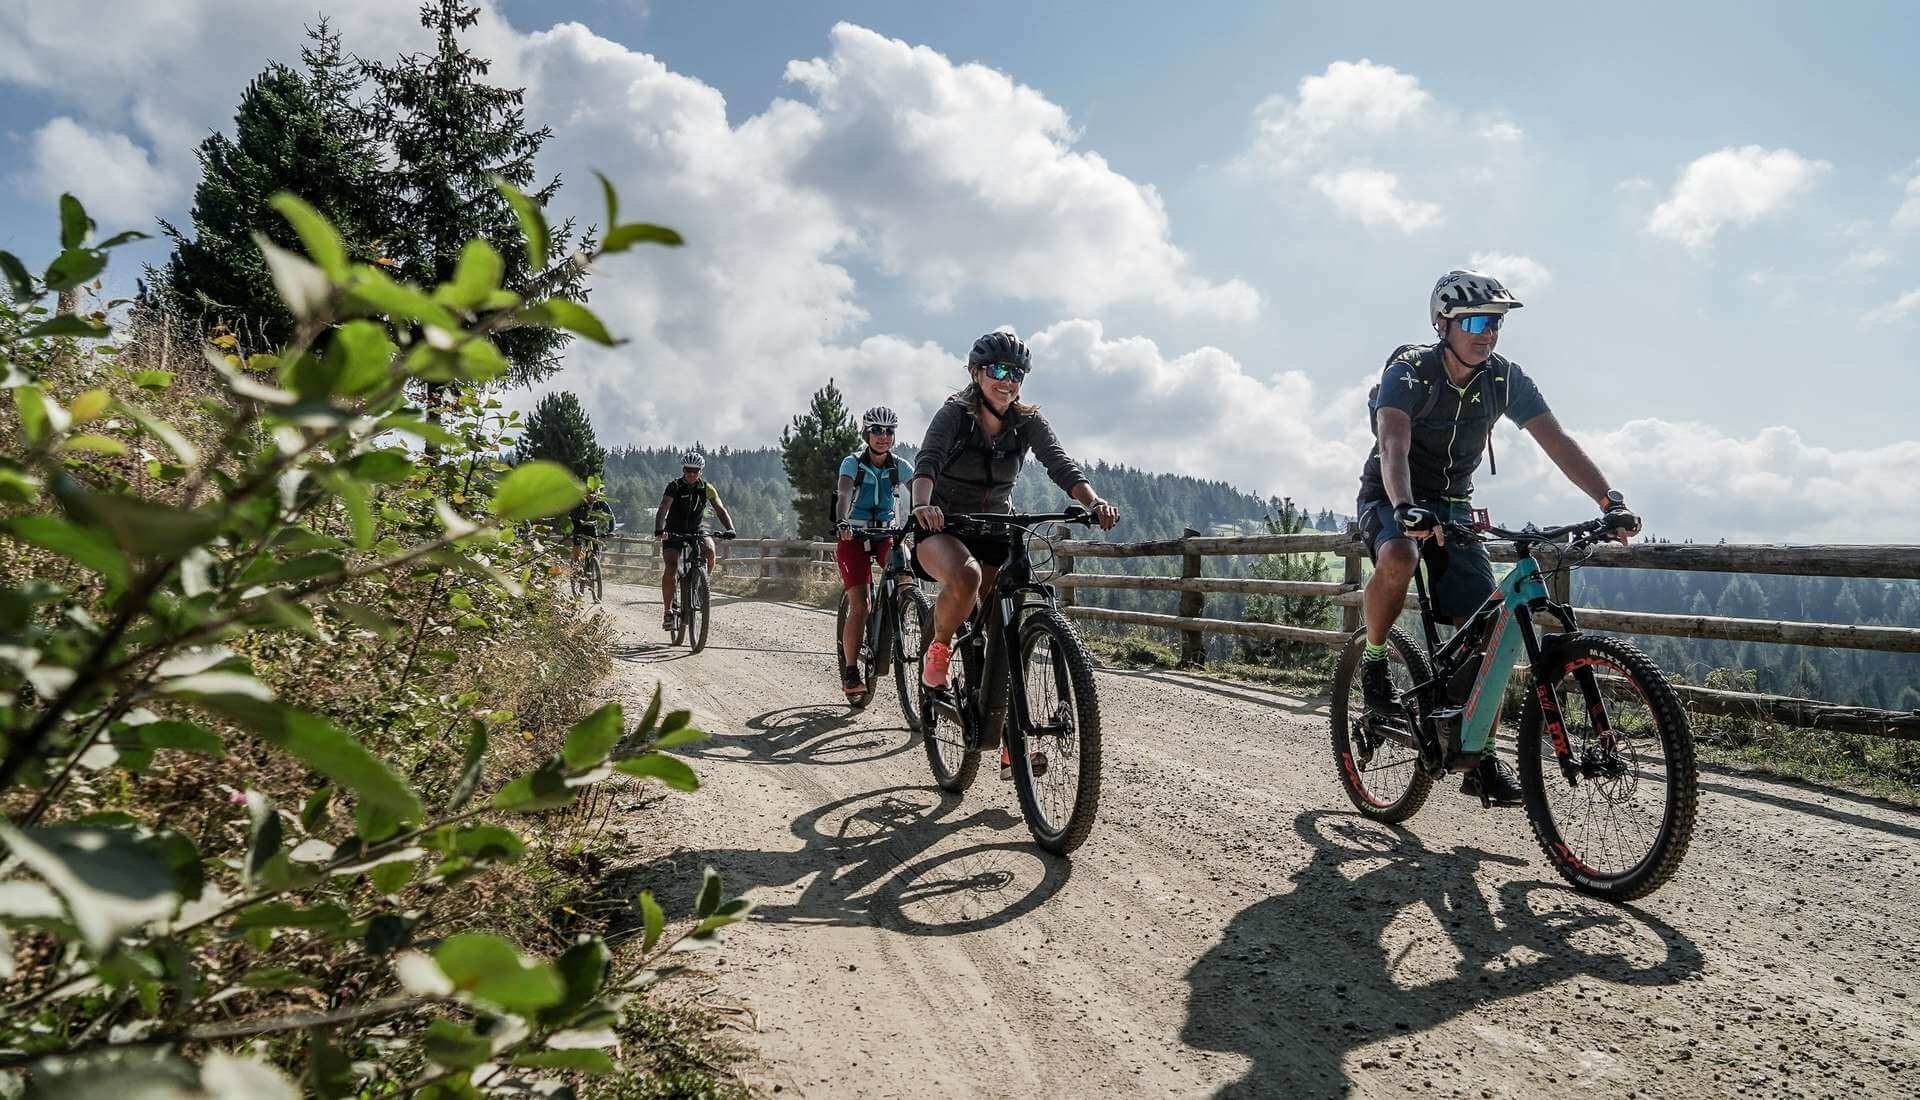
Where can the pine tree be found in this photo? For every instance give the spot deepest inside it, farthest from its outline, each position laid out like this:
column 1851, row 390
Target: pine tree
column 291, row 132
column 451, row 134
column 811, row 449
column 560, row 430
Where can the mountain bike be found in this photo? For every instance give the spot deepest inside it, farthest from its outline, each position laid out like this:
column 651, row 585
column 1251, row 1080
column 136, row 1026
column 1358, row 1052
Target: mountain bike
column 899, row 617
column 692, row 590
column 587, row 579
column 1610, row 785
column 1017, row 636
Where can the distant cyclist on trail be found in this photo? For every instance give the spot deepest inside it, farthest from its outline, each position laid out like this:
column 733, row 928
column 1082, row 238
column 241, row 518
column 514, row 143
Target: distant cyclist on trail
column 683, row 507
column 1434, row 413
column 969, row 460
column 592, row 518
column 869, row 479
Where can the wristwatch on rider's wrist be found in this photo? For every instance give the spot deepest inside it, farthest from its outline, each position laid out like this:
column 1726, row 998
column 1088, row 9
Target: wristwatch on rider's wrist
column 1614, row 501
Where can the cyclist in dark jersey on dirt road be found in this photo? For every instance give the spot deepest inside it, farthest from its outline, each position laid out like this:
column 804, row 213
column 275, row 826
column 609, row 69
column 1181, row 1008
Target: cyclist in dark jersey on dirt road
column 1434, row 413
column 683, row 507
column 968, row 462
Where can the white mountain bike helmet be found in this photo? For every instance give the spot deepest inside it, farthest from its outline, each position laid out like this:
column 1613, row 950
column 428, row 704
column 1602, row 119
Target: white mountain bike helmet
column 878, row 417
column 1460, row 292
column 694, row 459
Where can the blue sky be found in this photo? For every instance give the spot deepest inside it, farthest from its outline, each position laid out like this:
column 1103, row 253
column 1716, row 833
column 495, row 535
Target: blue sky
column 1215, row 220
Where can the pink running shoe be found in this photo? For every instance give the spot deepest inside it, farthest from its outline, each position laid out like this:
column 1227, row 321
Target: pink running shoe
column 933, row 667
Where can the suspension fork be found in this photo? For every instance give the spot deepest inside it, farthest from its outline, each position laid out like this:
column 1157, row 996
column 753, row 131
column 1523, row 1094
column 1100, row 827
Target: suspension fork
column 1543, row 686
column 1003, row 670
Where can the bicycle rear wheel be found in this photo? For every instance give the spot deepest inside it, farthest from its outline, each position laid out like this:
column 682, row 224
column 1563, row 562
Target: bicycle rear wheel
column 1377, row 756
column 1064, row 712
column 914, row 612
column 865, row 661
column 699, row 605
column 1616, row 820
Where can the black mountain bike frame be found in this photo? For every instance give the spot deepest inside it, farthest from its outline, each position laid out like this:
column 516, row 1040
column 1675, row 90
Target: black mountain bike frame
column 988, row 640
column 883, row 584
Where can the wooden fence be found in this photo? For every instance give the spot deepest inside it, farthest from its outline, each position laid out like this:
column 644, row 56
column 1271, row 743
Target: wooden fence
column 799, row 557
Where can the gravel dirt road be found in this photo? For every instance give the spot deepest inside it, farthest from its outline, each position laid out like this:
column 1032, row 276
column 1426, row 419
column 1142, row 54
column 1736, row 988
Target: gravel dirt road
column 1231, row 929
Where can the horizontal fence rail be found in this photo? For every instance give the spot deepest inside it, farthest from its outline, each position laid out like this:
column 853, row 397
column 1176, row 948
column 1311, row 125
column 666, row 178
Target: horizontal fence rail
column 786, row 557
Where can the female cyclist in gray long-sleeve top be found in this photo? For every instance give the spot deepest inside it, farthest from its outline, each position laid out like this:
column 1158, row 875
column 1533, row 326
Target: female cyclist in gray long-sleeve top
column 968, row 462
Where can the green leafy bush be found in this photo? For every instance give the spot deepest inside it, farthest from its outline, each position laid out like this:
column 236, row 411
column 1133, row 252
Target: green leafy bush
column 323, row 925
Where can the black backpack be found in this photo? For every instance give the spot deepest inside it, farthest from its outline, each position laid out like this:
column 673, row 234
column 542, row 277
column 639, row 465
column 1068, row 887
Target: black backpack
column 1430, row 371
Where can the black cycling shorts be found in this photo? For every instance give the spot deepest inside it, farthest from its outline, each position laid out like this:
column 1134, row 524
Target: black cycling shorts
column 1460, row 576
column 990, row 550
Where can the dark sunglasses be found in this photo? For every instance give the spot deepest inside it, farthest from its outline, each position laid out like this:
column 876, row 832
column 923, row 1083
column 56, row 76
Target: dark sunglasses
column 875, row 429
column 1002, row 372
column 689, row 469
column 1477, row 323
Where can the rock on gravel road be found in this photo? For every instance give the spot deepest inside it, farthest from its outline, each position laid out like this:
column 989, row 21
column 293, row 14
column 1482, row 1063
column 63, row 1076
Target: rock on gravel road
column 1231, row 928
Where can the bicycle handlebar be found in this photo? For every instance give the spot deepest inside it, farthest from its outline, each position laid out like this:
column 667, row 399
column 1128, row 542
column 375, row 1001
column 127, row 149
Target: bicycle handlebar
column 1575, row 534
column 1019, row 519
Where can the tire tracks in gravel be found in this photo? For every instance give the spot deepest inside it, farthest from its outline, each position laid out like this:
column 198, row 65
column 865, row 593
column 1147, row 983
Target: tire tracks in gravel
column 1231, row 928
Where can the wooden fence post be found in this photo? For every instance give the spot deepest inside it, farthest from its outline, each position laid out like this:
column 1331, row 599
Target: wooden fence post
column 1193, row 649
column 1065, row 592
column 1350, row 616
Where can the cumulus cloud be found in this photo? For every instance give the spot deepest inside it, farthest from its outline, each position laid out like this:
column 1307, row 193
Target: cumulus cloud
column 1355, row 131
column 1372, row 197
column 1732, row 187
column 1694, row 480
column 1351, row 99
column 1899, row 309
column 1908, row 216
column 1867, row 259
column 116, row 180
column 1524, row 275
column 902, row 132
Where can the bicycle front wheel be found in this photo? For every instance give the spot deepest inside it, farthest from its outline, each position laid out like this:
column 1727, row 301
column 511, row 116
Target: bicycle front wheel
column 914, row 614
column 954, row 762
column 1616, row 817
column 597, row 581
column 679, row 611
column 1056, row 754
column 699, row 604
column 1377, row 755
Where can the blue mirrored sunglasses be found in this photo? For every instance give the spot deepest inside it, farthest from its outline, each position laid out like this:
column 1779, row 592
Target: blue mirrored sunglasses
column 1477, row 323
column 1001, row 372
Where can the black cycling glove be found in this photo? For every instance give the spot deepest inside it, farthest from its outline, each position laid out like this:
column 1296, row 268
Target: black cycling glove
column 1413, row 518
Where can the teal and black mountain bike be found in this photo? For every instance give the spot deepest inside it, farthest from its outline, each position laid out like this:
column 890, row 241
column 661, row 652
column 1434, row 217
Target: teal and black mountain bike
column 1605, row 752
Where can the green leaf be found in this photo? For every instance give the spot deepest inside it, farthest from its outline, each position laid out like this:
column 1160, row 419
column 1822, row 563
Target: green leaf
column 543, row 789
column 111, row 882
column 314, row 741
column 89, row 405
column 67, row 324
column 358, row 502
column 535, row 490
column 583, row 970
column 18, row 280
column 263, row 836
column 277, row 978
column 533, row 224
column 391, row 878
column 89, row 547
column 489, row 842
column 491, row 969
column 652, row 716
column 300, row 569
column 612, row 197
column 387, row 467
column 94, row 444
column 366, row 619
column 36, row 418
column 676, row 721
column 577, row 1061
column 172, row 734
column 424, row 430
column 17, row 487
column 455, row 1045
column 153, row 379
column 656, row 921
column 679, row 737
column 674, row 773
column 471, row 768
column 73, row 267
column 372, row 291
column 329, row 1069
column 280, row 914
column 314, row 814
column 323, row 242
column 126, row 237
column 74, row 223
column 302, row 285
column 475, row 277
column 185, row 451
column 593, row 737
column 572, row 316
column 146, row 528
column 624, row 237
column 361, row 355
column 708, row 901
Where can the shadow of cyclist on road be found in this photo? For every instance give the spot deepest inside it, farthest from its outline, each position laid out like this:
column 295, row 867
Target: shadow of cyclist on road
column 807, row 734
column 1344, row 959
column 876, row 858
